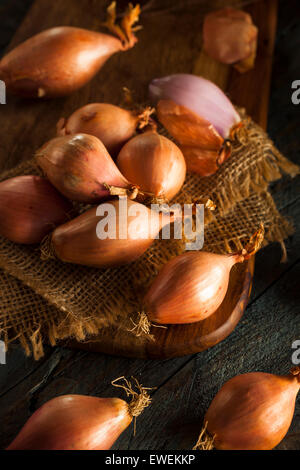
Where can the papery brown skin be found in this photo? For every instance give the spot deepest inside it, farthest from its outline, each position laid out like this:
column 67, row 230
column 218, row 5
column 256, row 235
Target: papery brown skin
column 74, row 422
column 30, row 208
column 56, row 62
column 204, row 162
column 78, row 166
column 230, row 37
column 113, row 125
column 154, row 163
column 201, row 144
column 252, row 411
column 189, row 288
column 77, row 241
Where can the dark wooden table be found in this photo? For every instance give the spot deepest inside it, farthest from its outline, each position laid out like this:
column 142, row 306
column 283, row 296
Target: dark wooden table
column 185, row 386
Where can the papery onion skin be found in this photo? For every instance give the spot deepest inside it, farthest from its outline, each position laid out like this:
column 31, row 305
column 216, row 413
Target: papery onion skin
column 230, row 37
column 30, row 208
column 203, row 148
column 77, row 241
column 74, row 422
column 56, row 62
column 199, row 95
column 189, row 288
column 113, row 125
column 78, row 166
column 252, row 411
column 154, row 163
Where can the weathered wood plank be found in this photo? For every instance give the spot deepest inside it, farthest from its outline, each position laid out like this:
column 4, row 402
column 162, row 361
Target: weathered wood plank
column 18, row 367
column 268, row 267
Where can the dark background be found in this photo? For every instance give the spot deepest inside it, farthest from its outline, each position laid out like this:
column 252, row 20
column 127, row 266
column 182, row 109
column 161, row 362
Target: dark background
column 185, row 386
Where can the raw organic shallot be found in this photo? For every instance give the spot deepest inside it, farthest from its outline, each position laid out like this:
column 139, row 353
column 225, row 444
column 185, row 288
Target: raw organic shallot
column 154, row 163
column 79, row 422
column 60, row 60
column 199, row 116
column 113, row 125
column 251, row 412
column 79, row 166
column 191, row 286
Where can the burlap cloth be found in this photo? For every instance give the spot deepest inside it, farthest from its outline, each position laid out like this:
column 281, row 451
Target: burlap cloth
column 50, row 300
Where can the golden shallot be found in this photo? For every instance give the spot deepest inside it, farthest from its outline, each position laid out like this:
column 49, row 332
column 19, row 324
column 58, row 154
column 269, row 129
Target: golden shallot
column 154, row 163
column 79, row 166
column 251, row 412
column 113, row 125
column 191, row 286
column 60, row 60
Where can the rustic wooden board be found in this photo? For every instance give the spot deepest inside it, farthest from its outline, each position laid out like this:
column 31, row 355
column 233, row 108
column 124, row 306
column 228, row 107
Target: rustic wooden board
column 173, row 45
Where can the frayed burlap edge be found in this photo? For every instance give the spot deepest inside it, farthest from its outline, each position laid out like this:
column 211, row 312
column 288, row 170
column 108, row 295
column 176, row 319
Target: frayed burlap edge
column 47, row 325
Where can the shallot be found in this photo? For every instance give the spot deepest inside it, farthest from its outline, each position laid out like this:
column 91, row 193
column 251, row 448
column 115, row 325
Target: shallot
column 191, row 286
column 199, row 116
column 116, row 232
column 154, row 163
column 79, row 166
column 113, row 125
column 110, row 235
column 30, row 208
column 79, row 422
column 230, row 37
column 60, row 60
column 251, row 412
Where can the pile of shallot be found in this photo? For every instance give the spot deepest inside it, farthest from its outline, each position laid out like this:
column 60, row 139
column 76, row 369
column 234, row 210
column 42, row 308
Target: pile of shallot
column 105, row 155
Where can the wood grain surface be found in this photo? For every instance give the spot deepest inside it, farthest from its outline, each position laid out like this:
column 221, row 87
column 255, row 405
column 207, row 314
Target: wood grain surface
column 185, row 386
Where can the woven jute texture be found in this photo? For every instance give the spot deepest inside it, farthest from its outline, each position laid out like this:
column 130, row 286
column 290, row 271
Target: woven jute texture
column 47, row 300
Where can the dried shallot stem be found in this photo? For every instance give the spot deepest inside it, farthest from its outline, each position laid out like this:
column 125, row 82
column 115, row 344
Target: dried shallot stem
column 143, row 113
column 125, row 32
column 205, row 440
column 140, row 397
column 252, row 246
column 129, row 19
column 255, row 242
column 135, row 193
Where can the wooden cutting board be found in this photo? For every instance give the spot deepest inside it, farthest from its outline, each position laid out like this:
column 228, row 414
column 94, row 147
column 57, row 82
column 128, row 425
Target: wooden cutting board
column 170, row 42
